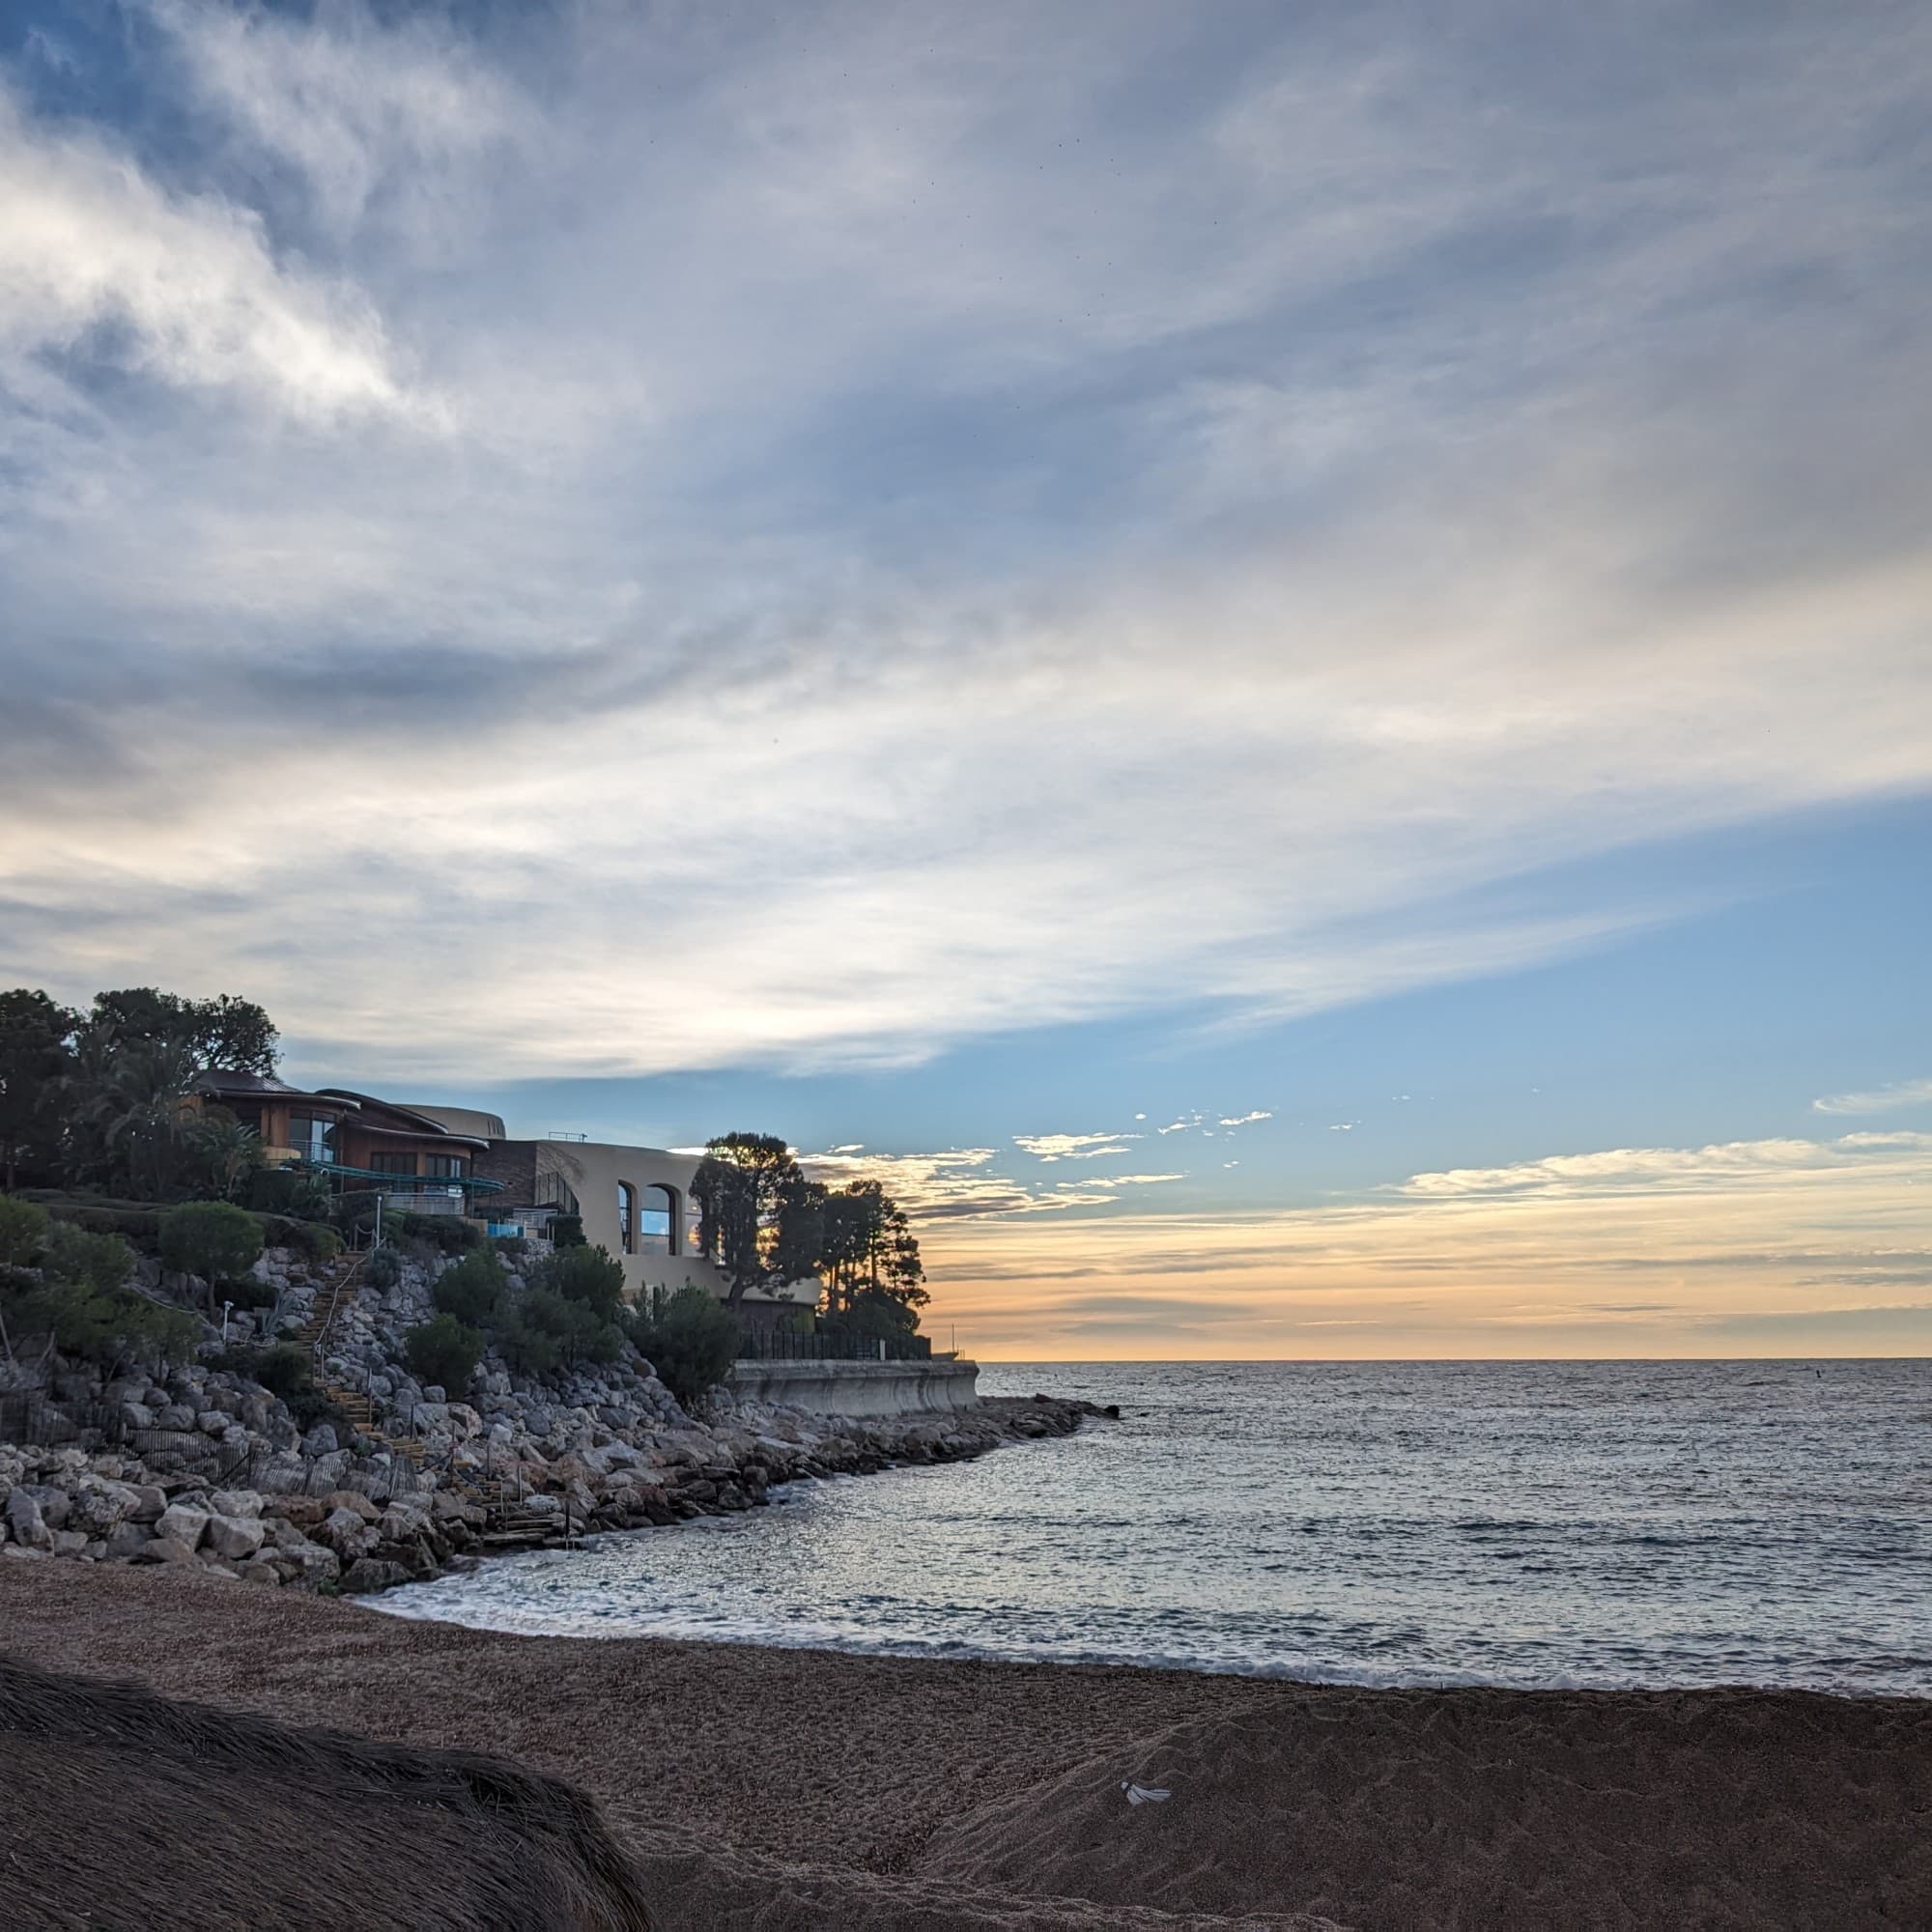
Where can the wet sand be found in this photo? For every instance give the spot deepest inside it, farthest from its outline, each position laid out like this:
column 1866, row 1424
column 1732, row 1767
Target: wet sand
column 784, row 1789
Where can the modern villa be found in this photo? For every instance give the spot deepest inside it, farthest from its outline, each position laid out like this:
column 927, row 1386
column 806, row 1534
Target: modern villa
column 635, row 1202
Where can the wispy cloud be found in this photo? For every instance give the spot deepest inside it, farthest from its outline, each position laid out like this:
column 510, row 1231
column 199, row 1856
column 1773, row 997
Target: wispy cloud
column 1756, row 1247
column 1245, row 1120
column 1073, row 1147
column 1211, row 423
column 1878, row 1099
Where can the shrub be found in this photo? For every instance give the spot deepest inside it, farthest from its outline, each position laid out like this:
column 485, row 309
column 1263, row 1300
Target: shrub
column 448, row 1233
column 23, row 1227
column 444, row 1350
column 290, row 1192
column 313, row 1240
column 100, row 1263
column 472, row 1288
column 284, row 1370
column 691, row 1338
column 244, row 1292
column 383, row 1268
column 591, row 1276
column 210, row 1238
column 141, row 1226
column 566, row 1231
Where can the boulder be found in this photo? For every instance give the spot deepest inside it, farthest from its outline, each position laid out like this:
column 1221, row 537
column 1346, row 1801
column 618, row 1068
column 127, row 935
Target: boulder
column 305, row 1562
column 55, row 1503
column 25, row 1523
column 234, row 1537
column 367, row 1574
column 166, row 1549
column 355, row 1501
column 261, row 1571
column 236, row 1502
column 347, row 1534
column 126, row 1541
column 179, row 1524
column 212, row 1422
column 151, row 1499
column 69, row 1542
column 321, row 1439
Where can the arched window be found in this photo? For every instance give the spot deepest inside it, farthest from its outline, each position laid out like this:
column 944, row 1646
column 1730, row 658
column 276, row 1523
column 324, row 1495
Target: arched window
column 627, row 1216
column 658, row 1222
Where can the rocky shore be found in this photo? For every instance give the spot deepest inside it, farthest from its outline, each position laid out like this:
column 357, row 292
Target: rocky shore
column 206, row 1468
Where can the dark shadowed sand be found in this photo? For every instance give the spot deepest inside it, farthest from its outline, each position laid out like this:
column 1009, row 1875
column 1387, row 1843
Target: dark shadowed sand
column 783, row 1790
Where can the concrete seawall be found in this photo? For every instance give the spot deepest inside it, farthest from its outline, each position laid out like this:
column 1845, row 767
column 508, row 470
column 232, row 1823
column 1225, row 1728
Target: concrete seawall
column 858, row 1388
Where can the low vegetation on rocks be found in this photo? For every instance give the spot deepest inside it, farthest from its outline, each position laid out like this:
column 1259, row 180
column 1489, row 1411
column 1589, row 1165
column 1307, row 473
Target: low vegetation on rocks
column 239, row 1458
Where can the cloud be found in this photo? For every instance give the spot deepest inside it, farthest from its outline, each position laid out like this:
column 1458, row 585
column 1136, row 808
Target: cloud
column 1219, row 428
column 1072, row 1147
column 1653, row 1171
column 1748, row 1248
column 96, row 259
column 365, row 116
column 1134, row 1179
column 1878, row 1099
column 1243, row 1120
column 953, row 1186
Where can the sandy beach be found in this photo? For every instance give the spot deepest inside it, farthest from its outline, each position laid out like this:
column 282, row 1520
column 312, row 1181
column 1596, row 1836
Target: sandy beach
column 794, row 1789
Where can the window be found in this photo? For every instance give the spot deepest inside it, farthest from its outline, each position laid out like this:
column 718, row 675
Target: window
column 657, row 1224
column 393, row 1163
column 627, row 1216
column 446, row 1166
column 312, row 1137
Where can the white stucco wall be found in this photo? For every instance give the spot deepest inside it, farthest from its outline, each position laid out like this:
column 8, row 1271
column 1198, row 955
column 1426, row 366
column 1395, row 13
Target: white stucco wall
column 858, row 1388
column 594, row 1170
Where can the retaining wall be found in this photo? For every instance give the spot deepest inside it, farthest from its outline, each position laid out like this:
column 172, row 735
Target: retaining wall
column 858, row 1388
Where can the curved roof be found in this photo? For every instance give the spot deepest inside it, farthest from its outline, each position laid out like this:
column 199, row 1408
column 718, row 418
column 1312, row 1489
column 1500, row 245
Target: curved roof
column 414, row 1122
column 465, row 1120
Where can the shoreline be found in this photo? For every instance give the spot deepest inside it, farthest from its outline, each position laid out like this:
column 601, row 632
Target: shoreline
column 781, row 1788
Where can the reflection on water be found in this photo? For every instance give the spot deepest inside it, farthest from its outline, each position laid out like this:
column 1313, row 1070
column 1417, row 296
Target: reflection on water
column 1511, row 1523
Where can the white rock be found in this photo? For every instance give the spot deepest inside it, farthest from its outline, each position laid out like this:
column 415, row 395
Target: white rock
column 236, row 1502
column 234, row 1537
column 25, row 1523
column 178, row 1524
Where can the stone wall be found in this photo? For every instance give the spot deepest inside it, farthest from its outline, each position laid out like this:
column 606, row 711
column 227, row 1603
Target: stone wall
column 858, row 1388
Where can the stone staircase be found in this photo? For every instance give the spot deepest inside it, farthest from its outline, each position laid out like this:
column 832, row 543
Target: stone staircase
column 337, row 1291
column 509, row 1520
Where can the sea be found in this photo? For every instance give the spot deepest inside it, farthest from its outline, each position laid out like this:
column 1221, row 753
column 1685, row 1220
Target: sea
column 1604, row 1524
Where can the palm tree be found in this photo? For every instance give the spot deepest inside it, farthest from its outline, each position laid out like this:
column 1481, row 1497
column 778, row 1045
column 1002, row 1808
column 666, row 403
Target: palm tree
column 143, row 1103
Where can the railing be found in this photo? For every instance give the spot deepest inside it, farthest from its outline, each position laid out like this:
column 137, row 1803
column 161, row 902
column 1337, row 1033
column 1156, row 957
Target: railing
column 781, row 1344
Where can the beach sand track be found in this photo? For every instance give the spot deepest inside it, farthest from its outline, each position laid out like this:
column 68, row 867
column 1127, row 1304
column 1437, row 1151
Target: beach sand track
column 1471, row 1808
column 764, row 1790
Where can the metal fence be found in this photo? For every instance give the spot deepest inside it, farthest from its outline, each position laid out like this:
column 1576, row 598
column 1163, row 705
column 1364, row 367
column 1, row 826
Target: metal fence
column 784, row 1345
column 31, row 1418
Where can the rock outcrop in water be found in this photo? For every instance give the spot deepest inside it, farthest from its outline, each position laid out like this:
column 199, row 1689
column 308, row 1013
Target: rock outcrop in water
column 213, row 1470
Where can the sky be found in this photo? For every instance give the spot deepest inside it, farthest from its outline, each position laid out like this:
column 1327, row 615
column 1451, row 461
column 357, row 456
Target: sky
column 1276, row 658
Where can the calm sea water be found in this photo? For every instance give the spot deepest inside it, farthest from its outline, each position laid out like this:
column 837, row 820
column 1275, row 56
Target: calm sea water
column 1622, row 1523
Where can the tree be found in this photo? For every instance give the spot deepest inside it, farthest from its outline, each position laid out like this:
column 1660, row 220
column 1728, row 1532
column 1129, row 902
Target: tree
column 746, row 1186
column 210, row 1238
column 225, row 1154
column 446, row 1351
column 140, row 1098
column 34, row 1057
column 221, row 1032
column 870, row 1247
column 592, row 1277
column 691, row 1339
column 84, row 1308
column 23, row 1228
column 471, row 1289
column 544, row 1330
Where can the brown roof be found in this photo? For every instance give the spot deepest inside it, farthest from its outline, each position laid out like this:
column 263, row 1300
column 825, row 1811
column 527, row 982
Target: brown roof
column 228, row 1084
